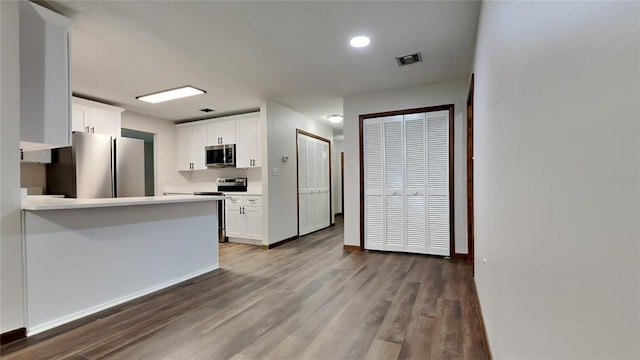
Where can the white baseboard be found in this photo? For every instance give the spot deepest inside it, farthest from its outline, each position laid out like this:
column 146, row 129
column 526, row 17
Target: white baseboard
column 80, row 314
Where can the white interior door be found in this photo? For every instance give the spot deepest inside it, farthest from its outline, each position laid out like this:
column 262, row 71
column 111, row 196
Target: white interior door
column 303, row 188
column 438, row 229
column 313, row 184
column 415, row 186
column 372, row 148
column 394, row 183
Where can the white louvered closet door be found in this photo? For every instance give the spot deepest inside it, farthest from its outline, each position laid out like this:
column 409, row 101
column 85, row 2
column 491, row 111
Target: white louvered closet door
column 303, row 188
column 406, row 183
column 415, row 183
column 313, row 184
column 323, row 191
column 438, row 230
column 373, row 160
column 394, row 206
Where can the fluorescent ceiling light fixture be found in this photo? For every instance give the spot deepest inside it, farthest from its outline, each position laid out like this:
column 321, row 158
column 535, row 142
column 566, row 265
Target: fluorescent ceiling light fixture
column 171, row 94
column 335, row 118
column 360, row 41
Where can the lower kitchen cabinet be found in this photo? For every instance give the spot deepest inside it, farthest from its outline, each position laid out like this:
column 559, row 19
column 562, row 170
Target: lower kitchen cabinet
column 244, row 217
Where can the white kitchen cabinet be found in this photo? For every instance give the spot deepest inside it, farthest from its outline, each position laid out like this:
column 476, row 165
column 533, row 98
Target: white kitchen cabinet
column 44, row 78
column 244, row 217
column 249, row 143
column 253, row 218
column 221, row 132
column 191, row 141
column 36, row 156
column 94, row 117
column 235, row 225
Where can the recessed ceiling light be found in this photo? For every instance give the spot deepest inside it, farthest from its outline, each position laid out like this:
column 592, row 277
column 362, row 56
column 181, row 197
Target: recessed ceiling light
column 170, row 94
column 335, row 118
column 360, row 41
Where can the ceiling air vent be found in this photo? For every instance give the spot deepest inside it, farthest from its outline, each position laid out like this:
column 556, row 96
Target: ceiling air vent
column 206, row 110
column 409, row 59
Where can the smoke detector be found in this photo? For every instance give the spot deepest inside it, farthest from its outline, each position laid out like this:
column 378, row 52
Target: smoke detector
column 409, row 59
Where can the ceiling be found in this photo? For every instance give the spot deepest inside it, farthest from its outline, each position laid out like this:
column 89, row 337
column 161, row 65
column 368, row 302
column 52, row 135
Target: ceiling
column 296, row 53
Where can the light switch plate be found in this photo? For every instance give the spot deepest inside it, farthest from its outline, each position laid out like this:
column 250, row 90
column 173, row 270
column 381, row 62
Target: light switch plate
column 275, row 171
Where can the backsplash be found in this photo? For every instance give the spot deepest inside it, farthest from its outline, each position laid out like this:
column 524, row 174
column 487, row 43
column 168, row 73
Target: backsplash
column 208, row 177
column 33, row 176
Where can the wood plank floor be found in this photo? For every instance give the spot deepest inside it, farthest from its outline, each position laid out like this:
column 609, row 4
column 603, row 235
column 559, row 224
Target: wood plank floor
column 307, row 299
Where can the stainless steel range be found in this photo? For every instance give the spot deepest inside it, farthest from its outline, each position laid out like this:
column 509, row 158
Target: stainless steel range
column 232, row 184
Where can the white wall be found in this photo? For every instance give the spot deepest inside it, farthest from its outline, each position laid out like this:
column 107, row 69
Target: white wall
column 165, row 147
column 282, row 197
column 11, row 284
column 557, row 178
column 454, row 92
column 337, row 147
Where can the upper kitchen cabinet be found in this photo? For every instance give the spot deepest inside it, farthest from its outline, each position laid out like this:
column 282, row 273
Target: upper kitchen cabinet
column 191, row 141
column 221, row 132
column 94, row 117
column 44, row 78
column 249, row 143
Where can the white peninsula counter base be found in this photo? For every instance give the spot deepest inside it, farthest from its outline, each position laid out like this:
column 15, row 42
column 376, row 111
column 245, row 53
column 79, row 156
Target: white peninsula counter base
column 84, row 256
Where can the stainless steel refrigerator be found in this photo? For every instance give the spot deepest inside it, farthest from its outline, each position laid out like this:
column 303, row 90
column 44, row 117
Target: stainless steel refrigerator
column 97, row 166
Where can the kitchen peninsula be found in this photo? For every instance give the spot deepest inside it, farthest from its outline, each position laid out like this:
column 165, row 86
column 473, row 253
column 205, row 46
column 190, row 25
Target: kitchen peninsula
column 82, row 256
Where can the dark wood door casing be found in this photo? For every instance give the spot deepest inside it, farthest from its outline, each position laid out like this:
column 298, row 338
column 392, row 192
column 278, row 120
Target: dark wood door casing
column 470, row 204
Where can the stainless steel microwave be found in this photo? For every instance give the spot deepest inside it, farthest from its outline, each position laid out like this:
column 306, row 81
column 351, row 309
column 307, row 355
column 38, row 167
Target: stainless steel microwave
column 221, row 155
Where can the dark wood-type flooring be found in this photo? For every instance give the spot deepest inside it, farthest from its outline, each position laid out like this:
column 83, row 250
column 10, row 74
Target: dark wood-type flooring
column 307, row 299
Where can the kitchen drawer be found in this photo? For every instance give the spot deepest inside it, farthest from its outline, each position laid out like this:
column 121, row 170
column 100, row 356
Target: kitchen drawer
column 234, row 200
column 253, row 200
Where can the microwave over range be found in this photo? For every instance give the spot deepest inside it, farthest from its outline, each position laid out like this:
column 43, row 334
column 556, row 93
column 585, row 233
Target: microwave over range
column 221, row 155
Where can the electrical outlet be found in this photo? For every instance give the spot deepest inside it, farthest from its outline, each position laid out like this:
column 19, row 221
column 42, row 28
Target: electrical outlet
column 484, row 267
column 275, row 171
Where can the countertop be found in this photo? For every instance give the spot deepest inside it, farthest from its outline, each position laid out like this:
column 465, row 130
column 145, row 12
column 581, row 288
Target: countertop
column 47, row 203
column 226, row 193
column 179, row 190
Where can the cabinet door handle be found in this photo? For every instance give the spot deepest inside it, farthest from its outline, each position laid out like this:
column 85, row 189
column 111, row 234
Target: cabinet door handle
column 87, row 129
column 93, row 129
